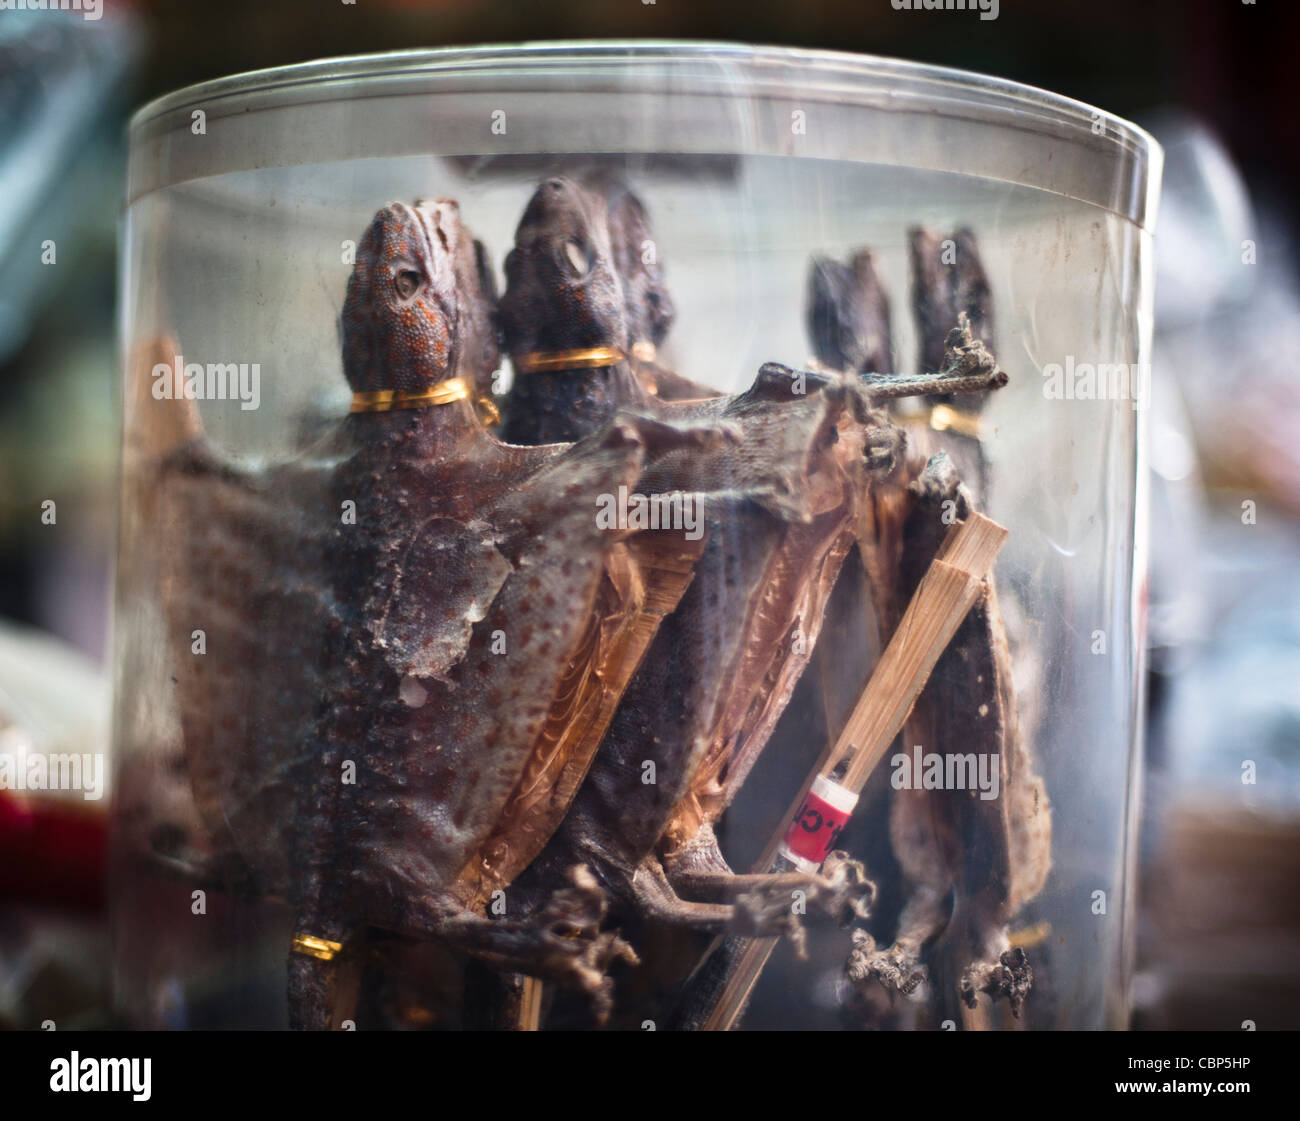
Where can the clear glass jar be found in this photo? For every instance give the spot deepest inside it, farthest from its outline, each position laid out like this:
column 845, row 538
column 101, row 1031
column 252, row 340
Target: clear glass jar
column 247, row 203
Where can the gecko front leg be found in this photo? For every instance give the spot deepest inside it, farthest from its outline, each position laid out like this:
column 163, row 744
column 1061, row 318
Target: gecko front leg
column 840, row 891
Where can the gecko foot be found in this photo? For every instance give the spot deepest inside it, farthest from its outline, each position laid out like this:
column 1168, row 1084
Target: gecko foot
column 968, row 367
column 894, row 968
column 765, row 901
column 562, row 942
column 1010, row 976
column 772, row 904
column 885, row 447
column 842, row 890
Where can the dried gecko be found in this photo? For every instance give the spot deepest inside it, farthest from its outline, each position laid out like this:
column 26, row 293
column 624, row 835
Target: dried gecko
column 781, row 509
column 847, row 315
column 971, row 862
column 880, row 511
column 436, row 635
column 582, row 304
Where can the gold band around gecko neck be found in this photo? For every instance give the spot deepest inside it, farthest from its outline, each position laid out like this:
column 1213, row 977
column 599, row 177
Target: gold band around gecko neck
column 384, row 400
column 314, row 947
column 590, row 358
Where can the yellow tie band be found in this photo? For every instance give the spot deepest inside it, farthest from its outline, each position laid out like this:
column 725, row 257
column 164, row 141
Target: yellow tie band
column 588, row 359
column 314, row 947
column 384, row 400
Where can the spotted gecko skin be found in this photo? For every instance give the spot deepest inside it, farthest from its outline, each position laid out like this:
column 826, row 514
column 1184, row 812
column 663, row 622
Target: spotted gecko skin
column 365, row 804
column 778, row 510
column 420, row 304
column 392, row 340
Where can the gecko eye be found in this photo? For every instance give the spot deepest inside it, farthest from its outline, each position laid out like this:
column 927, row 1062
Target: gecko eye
column 407, row 283
column 577, row 258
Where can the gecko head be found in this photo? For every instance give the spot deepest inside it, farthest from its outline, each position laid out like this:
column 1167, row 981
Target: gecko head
column 647, row 303
column 829, row 313
column 562, row 287
column 400, row 312
column 847, row 314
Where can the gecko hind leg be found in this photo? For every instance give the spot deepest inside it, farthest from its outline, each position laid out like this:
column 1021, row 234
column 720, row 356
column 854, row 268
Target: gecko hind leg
column 559, row 941
column 1010, row 976
column 899, row 967
column 996, row 967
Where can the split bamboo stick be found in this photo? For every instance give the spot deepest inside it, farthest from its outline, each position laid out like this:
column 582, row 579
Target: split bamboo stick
column 949, row 589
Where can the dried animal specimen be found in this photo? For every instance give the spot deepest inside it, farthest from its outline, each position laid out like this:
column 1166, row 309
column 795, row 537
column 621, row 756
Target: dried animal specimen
column 458, row 630
column 881, row 531
column 847, row 315
column 647, row 305
column 780, row 510
column 971, row 862
column 777, row 510
column 583, row 312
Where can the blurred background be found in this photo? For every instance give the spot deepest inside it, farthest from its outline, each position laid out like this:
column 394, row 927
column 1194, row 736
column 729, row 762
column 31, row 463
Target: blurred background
column 1215, row 80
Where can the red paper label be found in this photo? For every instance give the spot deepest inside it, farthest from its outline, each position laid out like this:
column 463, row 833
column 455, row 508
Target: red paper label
column 815, row 829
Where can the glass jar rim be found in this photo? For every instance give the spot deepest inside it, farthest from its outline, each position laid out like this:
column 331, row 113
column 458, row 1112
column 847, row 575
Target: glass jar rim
column 1127, row 184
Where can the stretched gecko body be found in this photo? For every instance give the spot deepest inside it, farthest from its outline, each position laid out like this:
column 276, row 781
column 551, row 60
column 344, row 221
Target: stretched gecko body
column 420, row 636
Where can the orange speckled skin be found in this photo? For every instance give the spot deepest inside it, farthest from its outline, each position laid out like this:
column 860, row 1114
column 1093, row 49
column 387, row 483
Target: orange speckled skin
column 458, row 538
column 354, row 729
column 397, row 337
column 392, row 341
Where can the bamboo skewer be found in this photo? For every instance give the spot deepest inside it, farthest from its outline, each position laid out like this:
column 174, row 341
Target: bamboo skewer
column 530, row 1005
column 950, row 588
